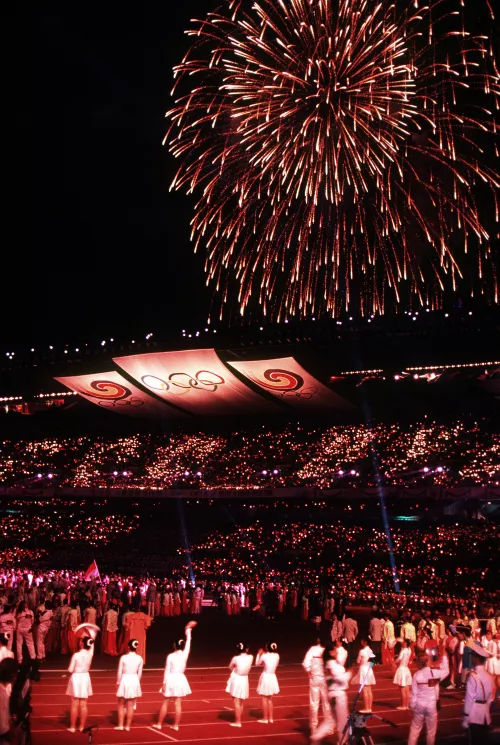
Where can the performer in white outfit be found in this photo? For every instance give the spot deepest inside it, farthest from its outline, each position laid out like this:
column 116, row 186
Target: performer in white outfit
column 175, row 684
column 340, row 654
column 237, row 685
column 337, row 679
column 478, row 698
column 492, row 663
column 44, row 621
column 403, row 676
column 268, row 682
column 79, row 685
column 424, row 696
column 318, row 692
column 25, row 619
column 128, row 684
column 365, row 676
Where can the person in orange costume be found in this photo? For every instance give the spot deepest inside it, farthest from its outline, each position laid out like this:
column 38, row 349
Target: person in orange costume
column 137, row 624
column 109, row 632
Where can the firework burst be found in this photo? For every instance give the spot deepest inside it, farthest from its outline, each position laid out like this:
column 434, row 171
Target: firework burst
column 343, row 152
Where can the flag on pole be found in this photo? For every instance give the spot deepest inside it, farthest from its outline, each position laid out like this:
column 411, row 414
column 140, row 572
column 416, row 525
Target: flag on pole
column 92, row 572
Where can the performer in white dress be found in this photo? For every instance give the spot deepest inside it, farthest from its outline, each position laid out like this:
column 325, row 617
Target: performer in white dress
column 403, row 677
column 237, row 685
column 79, row 685
column 175, row 684
column 365, row 676
column 268, row 682
column 340, row 655
column 492, row 663
column 128, row 684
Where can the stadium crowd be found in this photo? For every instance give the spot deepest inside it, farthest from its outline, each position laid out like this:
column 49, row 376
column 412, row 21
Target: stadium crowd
column 441, row 562
column 425, row 452
column 447, row 600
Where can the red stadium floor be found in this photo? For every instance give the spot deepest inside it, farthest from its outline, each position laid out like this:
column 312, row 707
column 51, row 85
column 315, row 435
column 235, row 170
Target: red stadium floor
column 208, row 711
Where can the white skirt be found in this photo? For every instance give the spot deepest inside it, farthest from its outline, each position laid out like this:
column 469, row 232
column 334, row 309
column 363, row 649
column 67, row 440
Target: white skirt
column 364, row 675
column 176, row 686
column 492, row 665
column 79, row 685
column 130, row 686
column 402, row 677
column 268, row 685
column 237, row 686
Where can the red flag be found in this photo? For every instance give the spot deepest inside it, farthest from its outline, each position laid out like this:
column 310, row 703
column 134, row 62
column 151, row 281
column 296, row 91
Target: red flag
column 92, row 572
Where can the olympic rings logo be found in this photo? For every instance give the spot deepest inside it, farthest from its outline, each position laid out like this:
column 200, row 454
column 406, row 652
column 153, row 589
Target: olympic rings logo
column 203, row 380
column 133, row 401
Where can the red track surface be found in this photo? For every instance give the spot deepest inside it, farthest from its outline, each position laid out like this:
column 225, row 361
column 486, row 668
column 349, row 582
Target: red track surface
column 208, row 711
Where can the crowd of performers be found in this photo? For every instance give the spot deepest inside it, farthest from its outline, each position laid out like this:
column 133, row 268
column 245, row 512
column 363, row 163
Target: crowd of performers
column 175, row 685
column 43, row 616
column 463, row 654
column 40, row 612
column 329, row 679
column 466, row 656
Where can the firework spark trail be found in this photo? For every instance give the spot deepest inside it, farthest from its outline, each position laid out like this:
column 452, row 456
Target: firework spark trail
column 343, row 152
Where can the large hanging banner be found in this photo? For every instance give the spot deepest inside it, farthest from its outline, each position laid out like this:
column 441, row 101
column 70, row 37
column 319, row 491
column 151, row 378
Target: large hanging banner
column 111, row 391
column 194, row 380
column 287, row 380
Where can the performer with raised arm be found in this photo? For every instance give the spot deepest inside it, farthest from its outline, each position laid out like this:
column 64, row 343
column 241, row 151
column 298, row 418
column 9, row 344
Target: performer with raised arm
column 237, row 685
column 79, row 686
column 175, row 684
column 128, row 684
column 268, row 682
column 424, row 697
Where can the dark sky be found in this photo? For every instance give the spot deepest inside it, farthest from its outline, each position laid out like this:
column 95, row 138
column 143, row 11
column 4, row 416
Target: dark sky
column 110, row 244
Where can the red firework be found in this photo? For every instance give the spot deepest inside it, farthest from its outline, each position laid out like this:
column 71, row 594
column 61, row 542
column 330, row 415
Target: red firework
column 343, row 152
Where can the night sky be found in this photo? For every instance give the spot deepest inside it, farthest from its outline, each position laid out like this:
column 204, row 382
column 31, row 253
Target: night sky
column 109, row 246
column 110, row 243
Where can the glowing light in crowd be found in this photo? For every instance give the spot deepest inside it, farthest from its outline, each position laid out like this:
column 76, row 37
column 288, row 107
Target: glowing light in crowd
column 343, row 152
column 322, row 457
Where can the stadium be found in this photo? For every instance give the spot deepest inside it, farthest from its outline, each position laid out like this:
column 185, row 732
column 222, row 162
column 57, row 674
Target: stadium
column 362, row 482
column 252, row 491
